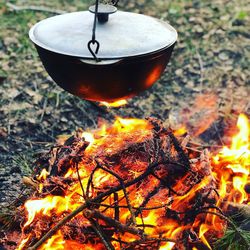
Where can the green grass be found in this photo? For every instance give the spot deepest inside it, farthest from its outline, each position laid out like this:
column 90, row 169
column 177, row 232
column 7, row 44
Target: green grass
column 24, row 162
column 232, row 241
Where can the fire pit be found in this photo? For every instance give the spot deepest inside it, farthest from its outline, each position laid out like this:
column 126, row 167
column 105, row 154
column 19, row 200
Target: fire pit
column 134, row 185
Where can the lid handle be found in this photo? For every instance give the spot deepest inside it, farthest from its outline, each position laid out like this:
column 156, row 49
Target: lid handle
column 104, row 10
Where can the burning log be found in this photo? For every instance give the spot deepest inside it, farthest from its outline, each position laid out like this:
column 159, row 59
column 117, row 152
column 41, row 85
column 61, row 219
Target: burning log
column 169, row 163
column 129, row 186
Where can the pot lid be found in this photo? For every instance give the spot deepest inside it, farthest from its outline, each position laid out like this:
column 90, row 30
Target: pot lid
column 125, row 34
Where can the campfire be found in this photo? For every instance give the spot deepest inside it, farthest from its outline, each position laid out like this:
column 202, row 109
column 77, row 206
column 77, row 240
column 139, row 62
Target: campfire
column 135, row 185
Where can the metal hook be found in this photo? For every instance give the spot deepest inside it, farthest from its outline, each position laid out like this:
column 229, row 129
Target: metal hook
column 92, row 43
column 103, row 17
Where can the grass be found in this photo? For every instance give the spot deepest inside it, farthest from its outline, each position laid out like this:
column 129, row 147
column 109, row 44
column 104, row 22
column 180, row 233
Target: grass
column 232, row 241
column 24, row 162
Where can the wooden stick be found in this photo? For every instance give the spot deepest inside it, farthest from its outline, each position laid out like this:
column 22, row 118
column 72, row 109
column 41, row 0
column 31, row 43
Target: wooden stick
column 51, row 232
column 97, row 228
column 116, row 206
column 183, row 157
column 123, row 188
column 114, row 223
column 34, row 8
column 185, row 141
column 30, row 183
column 85, row 205
column 243, row 208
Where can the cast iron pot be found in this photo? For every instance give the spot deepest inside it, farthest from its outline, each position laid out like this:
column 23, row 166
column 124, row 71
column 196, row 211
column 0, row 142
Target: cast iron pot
column 134, row 51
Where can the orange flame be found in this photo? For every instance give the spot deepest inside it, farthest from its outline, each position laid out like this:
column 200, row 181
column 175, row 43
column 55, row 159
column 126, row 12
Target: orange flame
column 115, row 104
column 232, row 165
column 56, row 242
column 230, row 169
column 167, row 246
column 203, row 230
column 23, row 242
column 45, row 206
column 180, row 131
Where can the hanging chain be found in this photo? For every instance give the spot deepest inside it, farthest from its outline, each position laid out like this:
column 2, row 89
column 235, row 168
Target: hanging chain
column 111, row 2
column 93, row 41
column 115, row 2
column 93, row 44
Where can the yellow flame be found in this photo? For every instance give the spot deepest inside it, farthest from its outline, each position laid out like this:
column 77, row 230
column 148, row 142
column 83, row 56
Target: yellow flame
column 89, row 137
column 43, row 175
column 230, row 170
column 56, row 242
column 241, row 140
column 180, row 131
column 167, row 246
column 203, row 230
column 23, row 242
column 45, row 206
column 129, row 124
column 232, row 164
column 115, row 104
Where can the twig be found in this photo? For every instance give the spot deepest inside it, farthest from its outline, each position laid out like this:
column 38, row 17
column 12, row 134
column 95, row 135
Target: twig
column 204, row 145
column 183, row 157
column 142, row 220
column 29, row 182
column 70, row 216
column 243, row 208
column 193, row 149
column 34, row 8
column 80, row 181
column 135, row 208
column 123, row 188
column 90, row 180
column 97, row 228
column 116, row 203
column 218, row 134
column 44, row 108
column 153, row 239
column 147, row 199
column 17, row 139
column 185, row 141
column 114, row 223
column 51, row 232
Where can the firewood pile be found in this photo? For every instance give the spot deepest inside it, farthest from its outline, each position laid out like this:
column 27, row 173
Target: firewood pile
column 130, row 186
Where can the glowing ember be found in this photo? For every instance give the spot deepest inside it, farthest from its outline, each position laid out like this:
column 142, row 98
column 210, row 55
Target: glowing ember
column 137, row 190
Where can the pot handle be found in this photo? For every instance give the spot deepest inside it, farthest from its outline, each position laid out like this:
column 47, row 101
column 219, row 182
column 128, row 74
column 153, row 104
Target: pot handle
column 102, row 16
column 102, row 62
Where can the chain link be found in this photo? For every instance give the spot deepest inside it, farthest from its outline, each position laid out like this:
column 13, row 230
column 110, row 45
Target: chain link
column 111, row 2
column 93, row 41
column 93, row 44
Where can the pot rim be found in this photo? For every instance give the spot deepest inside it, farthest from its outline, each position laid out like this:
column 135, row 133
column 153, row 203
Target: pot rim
column 37, row 42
